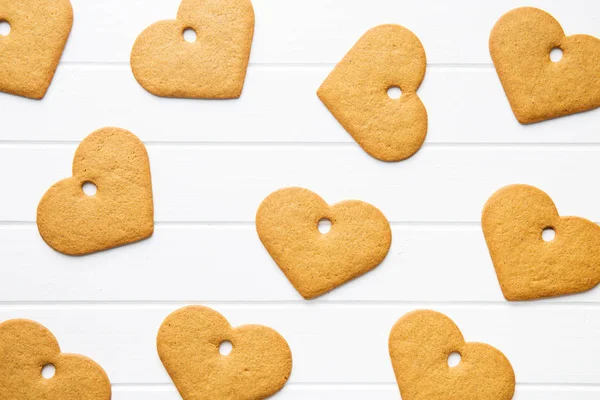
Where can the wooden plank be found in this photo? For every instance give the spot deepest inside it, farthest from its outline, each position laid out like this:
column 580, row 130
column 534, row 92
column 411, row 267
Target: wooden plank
column 317, row 31
column 334, row 343
column 359, row 392
column 227, row 183
column 279, row 104
column 207, row 264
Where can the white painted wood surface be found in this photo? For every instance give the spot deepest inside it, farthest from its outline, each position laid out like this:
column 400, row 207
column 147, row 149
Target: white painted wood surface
column 214, row 161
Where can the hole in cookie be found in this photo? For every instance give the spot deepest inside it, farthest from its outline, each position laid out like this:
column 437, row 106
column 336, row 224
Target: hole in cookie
column 4, row 28
column 556, row 54
column 225, row 347
column 454, row 359
column 48, row 371
column 189, row 35
column 394, row 92
column 548, row 234
column 89, row 188
column 324, row 225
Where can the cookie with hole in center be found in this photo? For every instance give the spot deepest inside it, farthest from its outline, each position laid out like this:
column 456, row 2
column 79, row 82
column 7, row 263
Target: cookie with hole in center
column 188, row 343
column 529, row 267
column 120, row 212
column 287, row 224
column 212, row 66
column 31, row 49
column 26, row 347
column 420, row 345
column 356, row 93
column 537, row 87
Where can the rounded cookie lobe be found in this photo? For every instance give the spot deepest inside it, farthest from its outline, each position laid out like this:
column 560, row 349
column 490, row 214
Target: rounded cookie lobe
column 356, row 93
column 188, row 342
column 315, row 263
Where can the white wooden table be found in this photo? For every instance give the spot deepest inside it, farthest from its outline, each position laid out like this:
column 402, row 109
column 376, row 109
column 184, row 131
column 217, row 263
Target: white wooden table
column 214, row 161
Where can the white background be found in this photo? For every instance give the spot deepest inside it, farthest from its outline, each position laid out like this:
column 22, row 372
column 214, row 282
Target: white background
column 214, row 161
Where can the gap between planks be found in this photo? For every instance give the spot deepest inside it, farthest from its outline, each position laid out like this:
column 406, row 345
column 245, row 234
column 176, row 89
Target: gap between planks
column 593, row 146
column 281, row 65
column 353, row 385
column 553, row 304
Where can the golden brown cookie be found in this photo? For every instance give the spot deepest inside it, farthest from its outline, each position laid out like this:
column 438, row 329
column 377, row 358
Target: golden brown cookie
column 528, row 267
column 356, row 93
column 188, row 343
column 211, row 67
column 26, row 347
column 29, row 54
column 537, row 87
column 121, row 211
column 420, row 344
column 315, row 263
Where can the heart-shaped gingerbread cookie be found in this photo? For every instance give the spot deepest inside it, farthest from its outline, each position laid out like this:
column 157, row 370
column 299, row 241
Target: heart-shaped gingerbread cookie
column 26, row 347
column 527, row 266
column 121, row 211
column 30, row 53
column 315, row 263
column 188, row 344
column 420, row 344
column 211, row 67
column 356, row 93
column 537, row 87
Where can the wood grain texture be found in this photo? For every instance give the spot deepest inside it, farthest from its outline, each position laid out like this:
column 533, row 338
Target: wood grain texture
column 213, row 162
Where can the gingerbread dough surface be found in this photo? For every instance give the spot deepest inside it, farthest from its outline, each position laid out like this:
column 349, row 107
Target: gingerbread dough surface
column 121, row 211
column 26, row 347
column 537, row 87
column 315, row 263
column 356, row 93
column 30, row 53
column 188, row 343
column 211, row 67
column 420, row 344
column 529, row 267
